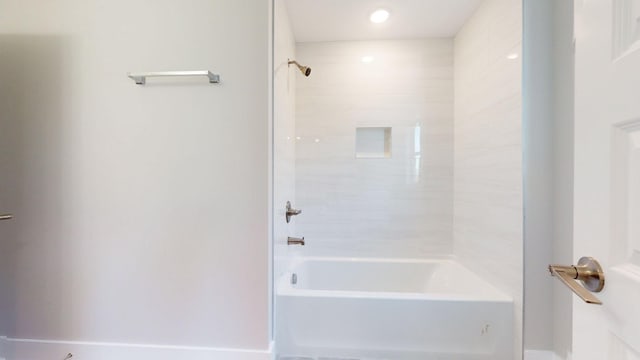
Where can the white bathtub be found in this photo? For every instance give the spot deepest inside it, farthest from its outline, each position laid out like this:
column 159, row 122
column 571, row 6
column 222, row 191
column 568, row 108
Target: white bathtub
column 390, row 309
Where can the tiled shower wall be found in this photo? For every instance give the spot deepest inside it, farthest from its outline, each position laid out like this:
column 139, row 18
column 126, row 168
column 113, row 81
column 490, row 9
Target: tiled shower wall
column 488, row 218
column 401, row 206
column 284, row 172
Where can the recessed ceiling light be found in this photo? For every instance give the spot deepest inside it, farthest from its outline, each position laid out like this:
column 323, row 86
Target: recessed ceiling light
column 379, row 16
column 367, row 59
column 512, row 56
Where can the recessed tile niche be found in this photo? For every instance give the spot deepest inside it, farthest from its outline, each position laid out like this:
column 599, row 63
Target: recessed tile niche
column 373, row 142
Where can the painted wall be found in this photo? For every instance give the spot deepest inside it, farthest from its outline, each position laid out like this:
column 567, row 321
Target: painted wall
column 538, row 169
column 548, row 136
column 488, row 229
column 141, row 212
column 563, row 124
column 391, row 207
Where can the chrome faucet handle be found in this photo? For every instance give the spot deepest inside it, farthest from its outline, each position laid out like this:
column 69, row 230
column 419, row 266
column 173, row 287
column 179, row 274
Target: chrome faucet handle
column 6, row 217
column 291, row 212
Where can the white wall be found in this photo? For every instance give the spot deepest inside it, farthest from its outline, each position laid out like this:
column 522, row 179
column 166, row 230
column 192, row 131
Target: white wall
column 548, row 135
column 396, row 207
column 538, row 170
column 563, row 120
column 488, row 217
column 141, row 212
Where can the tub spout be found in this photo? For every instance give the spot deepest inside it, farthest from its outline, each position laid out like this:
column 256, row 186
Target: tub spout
column 295, row 241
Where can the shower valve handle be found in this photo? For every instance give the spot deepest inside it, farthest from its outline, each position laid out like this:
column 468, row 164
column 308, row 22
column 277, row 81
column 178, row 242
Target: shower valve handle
column 291, row 212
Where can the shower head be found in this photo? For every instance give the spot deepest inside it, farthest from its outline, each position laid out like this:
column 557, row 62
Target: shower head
column 305, row 70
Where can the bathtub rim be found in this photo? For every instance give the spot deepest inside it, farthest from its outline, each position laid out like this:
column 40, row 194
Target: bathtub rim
column 285, row 288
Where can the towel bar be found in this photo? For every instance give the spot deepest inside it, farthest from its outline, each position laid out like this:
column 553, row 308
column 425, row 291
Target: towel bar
column 141, row 78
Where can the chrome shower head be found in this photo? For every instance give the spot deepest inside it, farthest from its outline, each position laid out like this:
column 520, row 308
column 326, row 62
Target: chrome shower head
column 305, row 70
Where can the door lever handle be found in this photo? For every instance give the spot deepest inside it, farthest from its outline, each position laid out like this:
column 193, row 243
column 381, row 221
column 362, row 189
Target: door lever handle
column 6, row 217
column 590, row 274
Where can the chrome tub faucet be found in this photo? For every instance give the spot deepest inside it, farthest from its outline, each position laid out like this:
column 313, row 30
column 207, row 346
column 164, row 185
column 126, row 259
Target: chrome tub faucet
column 295, row 241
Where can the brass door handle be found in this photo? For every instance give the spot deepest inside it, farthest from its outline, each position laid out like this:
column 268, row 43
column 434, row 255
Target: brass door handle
column 590, row 274
column 6, row 217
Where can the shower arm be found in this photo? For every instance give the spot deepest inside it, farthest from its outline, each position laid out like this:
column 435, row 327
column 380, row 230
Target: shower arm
column 305, row 70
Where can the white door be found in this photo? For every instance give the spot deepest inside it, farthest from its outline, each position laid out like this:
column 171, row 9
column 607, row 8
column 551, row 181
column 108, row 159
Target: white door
column 607, row 175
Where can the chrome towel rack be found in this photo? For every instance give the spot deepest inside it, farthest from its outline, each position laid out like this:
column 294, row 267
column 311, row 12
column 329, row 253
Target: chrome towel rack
column 141, row 78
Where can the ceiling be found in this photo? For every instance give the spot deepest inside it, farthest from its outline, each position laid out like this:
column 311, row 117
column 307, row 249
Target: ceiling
column 335, row 20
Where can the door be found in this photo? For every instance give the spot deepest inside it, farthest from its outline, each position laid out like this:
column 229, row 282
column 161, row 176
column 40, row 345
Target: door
column 607, row 175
